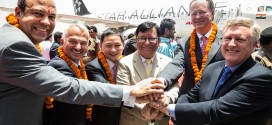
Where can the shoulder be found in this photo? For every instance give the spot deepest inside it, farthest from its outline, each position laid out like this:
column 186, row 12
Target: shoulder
column 57, row 62
column 163, row 57
column 94, row 64
column 128, row 58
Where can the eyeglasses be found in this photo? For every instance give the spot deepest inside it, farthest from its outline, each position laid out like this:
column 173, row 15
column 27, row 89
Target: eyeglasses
column 143, row 39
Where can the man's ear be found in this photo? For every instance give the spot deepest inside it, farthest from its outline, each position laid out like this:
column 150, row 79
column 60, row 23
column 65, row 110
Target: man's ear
column 17, row 12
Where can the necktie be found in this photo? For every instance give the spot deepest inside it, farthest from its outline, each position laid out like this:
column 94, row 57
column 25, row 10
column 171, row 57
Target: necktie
column 204, row 44
column 147, row 67
column 222, row 79
column 114, row 69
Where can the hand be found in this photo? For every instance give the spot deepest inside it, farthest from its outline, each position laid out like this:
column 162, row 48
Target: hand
column 157, row 106
column 153, row 97
column 149, row 113
column 145, row 87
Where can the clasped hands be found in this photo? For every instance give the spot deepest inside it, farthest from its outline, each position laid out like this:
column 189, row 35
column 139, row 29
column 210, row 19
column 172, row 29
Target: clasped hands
column 156, row 100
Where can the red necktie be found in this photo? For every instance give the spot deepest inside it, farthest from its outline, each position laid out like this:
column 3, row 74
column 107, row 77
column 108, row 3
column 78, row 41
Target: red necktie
column 204, row 44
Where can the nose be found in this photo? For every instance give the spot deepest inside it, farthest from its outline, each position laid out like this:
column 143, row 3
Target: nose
column 45, row 20
column 232, row 42
column 113, row 49
column 78, row 46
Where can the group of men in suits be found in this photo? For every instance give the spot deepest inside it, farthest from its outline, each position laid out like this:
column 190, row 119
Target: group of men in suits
column 25, row 79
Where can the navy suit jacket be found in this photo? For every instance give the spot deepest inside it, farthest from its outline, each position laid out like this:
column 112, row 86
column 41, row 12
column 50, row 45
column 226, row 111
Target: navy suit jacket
column 102, row 115
column 64, row 113
column 243, row 100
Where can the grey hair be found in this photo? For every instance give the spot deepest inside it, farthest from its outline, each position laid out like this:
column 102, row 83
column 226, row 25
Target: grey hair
column 246, row 22
column 80, row 26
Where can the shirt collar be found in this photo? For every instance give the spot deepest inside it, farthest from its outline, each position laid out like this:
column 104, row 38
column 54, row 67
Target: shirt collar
column 111, row 64
column 207, row 34
column 143, row 59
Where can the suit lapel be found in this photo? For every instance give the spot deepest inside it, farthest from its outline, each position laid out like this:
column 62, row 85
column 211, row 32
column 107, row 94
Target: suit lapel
column 215, row 47
column 237, row 74
column 156, row 65
column 139, row 66
column 216, row 74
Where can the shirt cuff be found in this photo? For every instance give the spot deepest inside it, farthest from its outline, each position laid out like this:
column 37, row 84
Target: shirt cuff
column 171, row 108
column 128, row 100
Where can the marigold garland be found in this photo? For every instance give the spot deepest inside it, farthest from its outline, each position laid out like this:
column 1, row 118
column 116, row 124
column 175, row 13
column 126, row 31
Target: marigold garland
column 105, row 64
column 197, row 72
column 12, row 20
column 81, row 74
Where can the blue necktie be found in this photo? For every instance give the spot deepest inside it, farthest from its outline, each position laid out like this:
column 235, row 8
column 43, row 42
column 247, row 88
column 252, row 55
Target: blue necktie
column 222, row 79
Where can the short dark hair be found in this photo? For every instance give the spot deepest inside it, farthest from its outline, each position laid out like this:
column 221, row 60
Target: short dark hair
column 143, row 27
column 166, row 23
column 57, row 36
column 111, row 31
column 22, row 4
column 94, row 28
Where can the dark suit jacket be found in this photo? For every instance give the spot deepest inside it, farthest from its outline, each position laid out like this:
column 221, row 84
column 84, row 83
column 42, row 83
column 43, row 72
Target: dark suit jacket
column 64, row 113
column 54, row 50
column 25, row 80
column 101, row 115
column 243, row 100
column 182, row 62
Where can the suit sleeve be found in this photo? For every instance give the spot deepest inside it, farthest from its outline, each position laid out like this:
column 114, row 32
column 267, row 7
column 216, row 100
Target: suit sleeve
column 174, row 69
column 23, row 66
column 251, row 95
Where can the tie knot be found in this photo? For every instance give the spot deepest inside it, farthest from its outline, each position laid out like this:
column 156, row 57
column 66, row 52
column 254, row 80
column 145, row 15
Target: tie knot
column 148, row 61
column 227, row 70
column 204, row 38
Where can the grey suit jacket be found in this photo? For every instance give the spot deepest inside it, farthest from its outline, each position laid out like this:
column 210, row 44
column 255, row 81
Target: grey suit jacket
column 25, row 80
column 243, row 100
column 182, row 63
column 131, row 70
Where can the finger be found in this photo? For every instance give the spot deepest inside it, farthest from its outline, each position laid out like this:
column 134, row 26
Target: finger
column 151, row 97
column 158, row 86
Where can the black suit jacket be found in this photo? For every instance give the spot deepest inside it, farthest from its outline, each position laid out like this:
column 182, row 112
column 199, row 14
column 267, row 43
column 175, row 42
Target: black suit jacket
column 101, row 115
column 243, row 100
column 182, row 63
column 54, row 50
column 64, row 113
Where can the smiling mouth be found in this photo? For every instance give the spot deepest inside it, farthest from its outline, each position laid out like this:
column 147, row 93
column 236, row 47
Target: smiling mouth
column 41, row 29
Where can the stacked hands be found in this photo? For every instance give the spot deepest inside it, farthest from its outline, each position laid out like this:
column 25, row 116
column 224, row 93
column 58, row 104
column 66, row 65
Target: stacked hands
column 151, row 92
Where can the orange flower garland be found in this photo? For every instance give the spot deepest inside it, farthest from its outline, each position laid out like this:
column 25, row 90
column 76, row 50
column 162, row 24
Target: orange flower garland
column 105, row 64
column 12, row 20
column 197, row 72
column 81, row 74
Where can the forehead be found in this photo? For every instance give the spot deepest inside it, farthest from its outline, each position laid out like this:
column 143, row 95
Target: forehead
column 76, row 31
column 238, row 31
column 112, row 38
column 43, row 4
column 150, row 32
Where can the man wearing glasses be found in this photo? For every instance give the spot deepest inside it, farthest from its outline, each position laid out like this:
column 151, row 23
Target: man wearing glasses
column 145, row 62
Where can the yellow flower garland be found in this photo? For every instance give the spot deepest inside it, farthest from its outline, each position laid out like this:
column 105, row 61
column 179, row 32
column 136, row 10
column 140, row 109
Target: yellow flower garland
column 12, row 20
column 197, row 72
column 81, row 74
